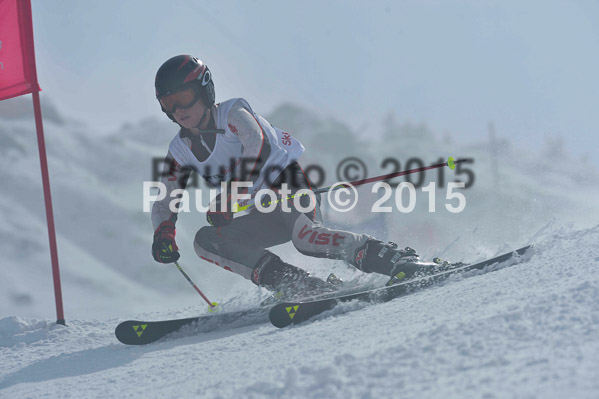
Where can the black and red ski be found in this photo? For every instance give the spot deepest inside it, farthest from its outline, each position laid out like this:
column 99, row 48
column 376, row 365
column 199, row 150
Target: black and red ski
column 137, row 332
column 286, row 313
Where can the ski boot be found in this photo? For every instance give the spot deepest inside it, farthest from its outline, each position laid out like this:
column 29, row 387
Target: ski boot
column 385, row 258
column 289, row 282
column 334, row 282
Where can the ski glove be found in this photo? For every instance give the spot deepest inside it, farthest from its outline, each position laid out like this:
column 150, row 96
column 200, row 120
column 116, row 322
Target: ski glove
column 218, row 218
column 164, row 248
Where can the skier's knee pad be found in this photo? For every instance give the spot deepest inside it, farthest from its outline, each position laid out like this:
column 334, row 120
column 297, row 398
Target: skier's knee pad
column 205, row 238
column 304, row 234
column 301, row 248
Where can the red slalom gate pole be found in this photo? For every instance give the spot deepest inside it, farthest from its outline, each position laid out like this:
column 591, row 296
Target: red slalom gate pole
column 41, row 145
column 18, row 76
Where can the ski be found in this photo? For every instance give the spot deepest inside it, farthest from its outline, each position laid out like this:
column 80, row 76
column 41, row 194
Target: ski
column 286, row 313
column 137, row 332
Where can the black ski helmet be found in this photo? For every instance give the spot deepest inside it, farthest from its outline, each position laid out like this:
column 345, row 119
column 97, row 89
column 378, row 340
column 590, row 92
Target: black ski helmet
column 182, row 70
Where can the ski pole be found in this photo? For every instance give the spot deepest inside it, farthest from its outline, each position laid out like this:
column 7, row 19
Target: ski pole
column 451, row 163
column 211, row 304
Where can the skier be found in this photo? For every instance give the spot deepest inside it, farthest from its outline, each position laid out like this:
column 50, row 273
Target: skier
column 210, row 136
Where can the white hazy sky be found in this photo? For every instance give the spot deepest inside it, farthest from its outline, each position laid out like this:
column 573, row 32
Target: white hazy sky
column 529, row 66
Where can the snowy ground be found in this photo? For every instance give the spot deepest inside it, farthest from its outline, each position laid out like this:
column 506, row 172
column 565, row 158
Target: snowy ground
column 528, row 331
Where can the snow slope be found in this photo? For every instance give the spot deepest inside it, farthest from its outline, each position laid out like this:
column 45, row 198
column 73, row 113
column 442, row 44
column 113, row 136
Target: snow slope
column 526, row 331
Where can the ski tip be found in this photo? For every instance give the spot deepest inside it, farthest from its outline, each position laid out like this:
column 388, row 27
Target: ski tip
column 131, row 332
column 283, row 314
column 527, row 250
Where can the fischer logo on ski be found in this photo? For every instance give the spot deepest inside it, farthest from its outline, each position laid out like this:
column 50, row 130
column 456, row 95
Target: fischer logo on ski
column 290, row 308
column 140, row 329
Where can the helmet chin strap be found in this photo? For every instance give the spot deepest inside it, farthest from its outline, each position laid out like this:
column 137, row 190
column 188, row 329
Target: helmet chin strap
column 204, row 115
column 206, row 111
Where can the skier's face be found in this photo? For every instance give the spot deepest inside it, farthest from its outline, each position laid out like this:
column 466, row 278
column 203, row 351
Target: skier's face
column 190, row 117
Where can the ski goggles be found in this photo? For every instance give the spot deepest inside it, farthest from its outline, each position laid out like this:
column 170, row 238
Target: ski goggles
column 183, row 99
